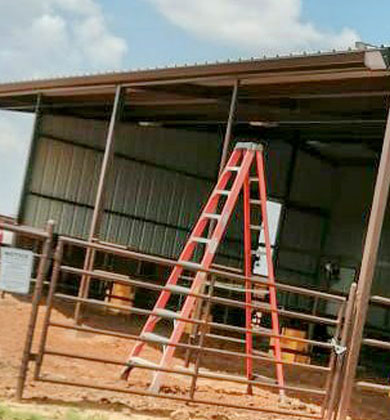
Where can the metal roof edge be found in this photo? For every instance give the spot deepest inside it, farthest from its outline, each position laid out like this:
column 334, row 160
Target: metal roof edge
column 353, row 58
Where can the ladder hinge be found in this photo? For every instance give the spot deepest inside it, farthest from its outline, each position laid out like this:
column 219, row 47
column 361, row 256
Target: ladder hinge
column 337, row 348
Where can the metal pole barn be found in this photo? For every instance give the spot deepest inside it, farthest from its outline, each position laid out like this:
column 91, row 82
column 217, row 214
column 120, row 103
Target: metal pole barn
column 99, row 201
column 366, row 276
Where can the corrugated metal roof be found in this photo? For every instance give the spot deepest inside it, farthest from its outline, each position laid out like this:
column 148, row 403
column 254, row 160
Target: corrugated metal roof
column 201, row 69
column 178, row 66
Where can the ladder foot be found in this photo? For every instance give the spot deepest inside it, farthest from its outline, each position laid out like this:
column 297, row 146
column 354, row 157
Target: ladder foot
column 282, row 396
column 125, row 372
column 154, row 388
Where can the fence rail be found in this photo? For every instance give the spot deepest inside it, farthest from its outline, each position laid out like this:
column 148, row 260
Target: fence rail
column 330, row 371
column 46, row 238
column 379, row 344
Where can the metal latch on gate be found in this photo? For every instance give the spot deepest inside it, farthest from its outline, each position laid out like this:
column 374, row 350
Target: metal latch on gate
column 337, row 348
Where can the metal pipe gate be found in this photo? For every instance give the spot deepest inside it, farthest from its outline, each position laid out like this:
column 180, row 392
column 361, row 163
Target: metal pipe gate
column 45, row 237
column 372, row 385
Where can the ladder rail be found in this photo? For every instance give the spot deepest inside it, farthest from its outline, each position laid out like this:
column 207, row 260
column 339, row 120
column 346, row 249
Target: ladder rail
column 217, row 211
column 185, row 255
column 152, row 319
column 248, row 283
column 271, row 273
column 248, row 158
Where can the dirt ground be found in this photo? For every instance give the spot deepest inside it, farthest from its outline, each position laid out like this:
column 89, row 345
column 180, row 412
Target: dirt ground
column 14, row 315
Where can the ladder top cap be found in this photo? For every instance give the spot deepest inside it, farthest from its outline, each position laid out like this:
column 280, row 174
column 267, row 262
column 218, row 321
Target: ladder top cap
column 250, row 146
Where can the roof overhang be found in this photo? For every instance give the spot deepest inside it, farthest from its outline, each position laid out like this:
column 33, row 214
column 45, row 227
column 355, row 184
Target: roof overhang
column 333, row 97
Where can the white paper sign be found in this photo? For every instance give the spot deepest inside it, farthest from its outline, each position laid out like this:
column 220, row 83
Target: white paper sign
column 274, row 211
column 15, row 270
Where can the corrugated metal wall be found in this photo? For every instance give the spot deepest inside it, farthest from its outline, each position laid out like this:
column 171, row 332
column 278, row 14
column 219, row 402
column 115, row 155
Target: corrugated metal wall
column 304, row 229
column 155, row 187
column 350, row 213
column 161, row 178
column 158, row 183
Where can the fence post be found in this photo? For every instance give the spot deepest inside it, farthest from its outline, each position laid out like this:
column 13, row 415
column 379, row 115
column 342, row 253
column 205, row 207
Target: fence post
column 335, row 391
column 49, row 305
column 42, row 271
column 98, row 209
column 366, row 277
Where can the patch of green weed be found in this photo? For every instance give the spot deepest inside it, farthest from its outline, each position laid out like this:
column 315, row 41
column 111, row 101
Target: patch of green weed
column 7, row 413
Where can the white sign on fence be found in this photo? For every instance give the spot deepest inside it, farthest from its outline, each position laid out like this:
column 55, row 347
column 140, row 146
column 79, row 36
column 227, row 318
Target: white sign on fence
column 15, row 270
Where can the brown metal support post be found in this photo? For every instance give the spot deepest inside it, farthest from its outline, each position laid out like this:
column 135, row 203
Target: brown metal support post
column 333, row 386
column 58, row 254
column 286, row 198
column 99, row 201
column 31, row 156
column 333, row 358
column 366, row 276
column 202, row 337
column 41, row 274
column 222, row 163
column 229, row 127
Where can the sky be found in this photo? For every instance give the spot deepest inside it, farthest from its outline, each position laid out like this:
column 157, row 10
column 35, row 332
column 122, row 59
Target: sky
column 44, row 38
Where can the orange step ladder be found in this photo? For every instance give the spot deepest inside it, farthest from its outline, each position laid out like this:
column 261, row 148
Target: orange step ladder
column 217, row 212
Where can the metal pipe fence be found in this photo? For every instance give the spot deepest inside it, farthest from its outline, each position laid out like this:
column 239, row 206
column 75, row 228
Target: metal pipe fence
column 45, row 237
column 217, row 331
column 376, row 386
column 373, row 385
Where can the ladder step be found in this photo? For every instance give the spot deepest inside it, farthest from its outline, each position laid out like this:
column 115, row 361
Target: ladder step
column 166, row 313
column 222, row 192
column 226, row 377
column 256, row 202
column 209, row 374
column 262, row 353
column 139, row 362
column 256, row 227
column 212, row 216
column 253, row 179
column 233, row 168
column 189, row 369
column 200, row 240
column 196, row 266
column 188, row 278
column 260, row 306
column 178, row 289
column 235, row 378
column 224, row 286
column 155, row 338
column 262, row 378
column 261, row 293
column 225, row 338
